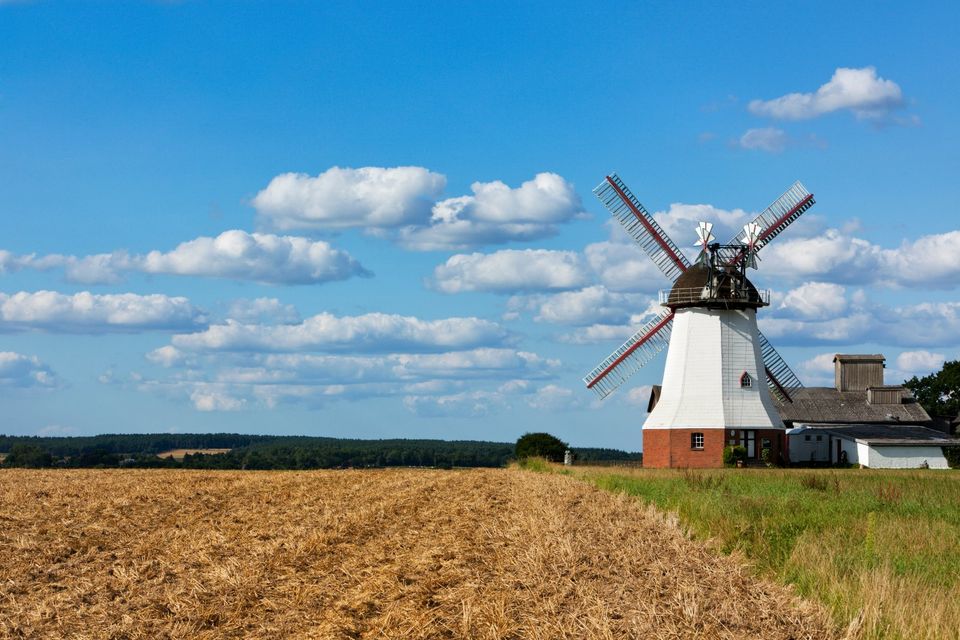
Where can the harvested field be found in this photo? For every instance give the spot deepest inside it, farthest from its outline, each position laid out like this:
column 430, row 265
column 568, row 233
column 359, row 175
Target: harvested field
column 178, row 454
column 363, row 554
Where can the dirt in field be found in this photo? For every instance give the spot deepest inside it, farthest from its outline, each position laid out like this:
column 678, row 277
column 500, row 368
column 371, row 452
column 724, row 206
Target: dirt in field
column 363, row 554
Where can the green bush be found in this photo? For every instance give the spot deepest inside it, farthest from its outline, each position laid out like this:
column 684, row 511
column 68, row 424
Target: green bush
column 541, row 445
column 733, row 453
column 952, row 454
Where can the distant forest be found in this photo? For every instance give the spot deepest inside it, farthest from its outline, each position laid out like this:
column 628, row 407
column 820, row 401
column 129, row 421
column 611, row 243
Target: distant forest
column 263, row 452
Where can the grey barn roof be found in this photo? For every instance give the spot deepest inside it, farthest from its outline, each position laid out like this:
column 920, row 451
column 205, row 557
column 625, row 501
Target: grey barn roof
column 827, row 405
column 888, row 434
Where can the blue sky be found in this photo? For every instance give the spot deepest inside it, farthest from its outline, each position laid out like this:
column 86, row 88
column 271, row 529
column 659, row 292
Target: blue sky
column 367, row 220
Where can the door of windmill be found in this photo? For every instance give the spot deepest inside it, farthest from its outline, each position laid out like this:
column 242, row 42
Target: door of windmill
column 749, row 440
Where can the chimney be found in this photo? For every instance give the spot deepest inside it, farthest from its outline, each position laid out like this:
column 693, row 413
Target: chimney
column 858, row 372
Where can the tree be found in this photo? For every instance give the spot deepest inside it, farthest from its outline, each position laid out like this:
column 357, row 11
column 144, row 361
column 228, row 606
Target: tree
column 939, row 393
column 28, row 455
column 541, row 445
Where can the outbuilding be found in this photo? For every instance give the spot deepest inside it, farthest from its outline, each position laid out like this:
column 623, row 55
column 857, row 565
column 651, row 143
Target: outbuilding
column 877, row 446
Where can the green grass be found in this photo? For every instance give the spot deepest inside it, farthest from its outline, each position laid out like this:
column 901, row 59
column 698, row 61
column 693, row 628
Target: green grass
column 882, row 546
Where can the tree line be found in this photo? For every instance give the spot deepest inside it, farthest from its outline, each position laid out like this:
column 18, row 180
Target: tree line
column 262, row 452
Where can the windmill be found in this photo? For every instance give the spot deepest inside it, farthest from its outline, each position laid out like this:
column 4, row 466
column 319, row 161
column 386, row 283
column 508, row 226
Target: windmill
column 709, row 324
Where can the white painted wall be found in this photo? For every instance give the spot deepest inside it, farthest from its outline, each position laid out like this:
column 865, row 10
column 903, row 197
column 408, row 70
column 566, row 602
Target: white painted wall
column 803, row 450
column 708, row 352
column 906, row 457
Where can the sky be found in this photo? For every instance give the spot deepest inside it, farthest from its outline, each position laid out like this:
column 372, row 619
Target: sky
column 369, row 219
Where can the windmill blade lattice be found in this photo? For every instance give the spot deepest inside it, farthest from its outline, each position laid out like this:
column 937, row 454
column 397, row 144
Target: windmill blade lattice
column 631, row 356
column 641, row 226
column 775, row 218
column 780, row 377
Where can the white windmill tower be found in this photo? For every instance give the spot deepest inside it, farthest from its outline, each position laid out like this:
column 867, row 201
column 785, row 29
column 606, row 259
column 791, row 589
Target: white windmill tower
column 720, row 370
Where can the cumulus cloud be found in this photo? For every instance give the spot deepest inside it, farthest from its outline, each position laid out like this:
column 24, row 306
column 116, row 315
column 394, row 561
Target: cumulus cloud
column 22, row 371
column 233, row 254
column 638, row 396
column 465, row 404
column 591, row 305
column 929, row 324
column 555, row 398
column 624, row 267
column 860, row 91
column 496, row 214
column 769, row 139
column 919, row 362
column 86, row 312
column 815, row 301
column 932, row 261
column 404, row 204
column 215, row 397
column 340, row 198
column 263, row 311
column 372, row 332
column 511, row 270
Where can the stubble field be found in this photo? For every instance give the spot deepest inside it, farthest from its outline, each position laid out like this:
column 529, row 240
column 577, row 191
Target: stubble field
column 364, row 554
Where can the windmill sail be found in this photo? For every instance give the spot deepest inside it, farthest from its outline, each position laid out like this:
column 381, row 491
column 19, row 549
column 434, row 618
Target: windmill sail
column 633, row 354
column 775, row 218
column 641, row 226
column 780, row 377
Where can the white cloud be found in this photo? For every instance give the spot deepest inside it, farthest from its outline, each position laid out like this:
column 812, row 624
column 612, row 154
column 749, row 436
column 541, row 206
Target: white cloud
column 471, row 404
column 511, row 270
column 263, row 311
column 372, row 332
column 212, row 397
column 769, row 139
column 814, row 301
column 622, row 266
column 166, row 356
column 600, row 334
column 256, row 256
column 56, row 430
column 861, row 91
column 638, row 396
column 234, row 254
column 496, row 214
column 931, row 261
column 85, row 312
column 477, row 363
column 591, row 305
column 403, row 203
column 919, row 362
column 18, row 370
column 555, row 398
column 341, row 198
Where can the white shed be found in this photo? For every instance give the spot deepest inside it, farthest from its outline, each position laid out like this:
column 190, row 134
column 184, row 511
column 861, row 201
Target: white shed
column 878, row 446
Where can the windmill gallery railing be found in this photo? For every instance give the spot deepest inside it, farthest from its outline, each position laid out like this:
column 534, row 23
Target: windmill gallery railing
column 693, row 295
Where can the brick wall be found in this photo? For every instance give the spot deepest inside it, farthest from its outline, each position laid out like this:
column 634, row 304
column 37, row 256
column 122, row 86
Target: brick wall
column 671, row 447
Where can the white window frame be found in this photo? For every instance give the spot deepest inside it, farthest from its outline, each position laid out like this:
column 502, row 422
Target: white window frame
column 696, row 441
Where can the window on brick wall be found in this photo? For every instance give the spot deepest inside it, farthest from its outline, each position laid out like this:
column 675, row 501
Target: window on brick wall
column 696, row 441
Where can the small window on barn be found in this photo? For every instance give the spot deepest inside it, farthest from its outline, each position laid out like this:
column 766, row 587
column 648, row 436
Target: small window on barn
column 745, row 380
column 819, row 438
column 806, row 438
column 696, row 441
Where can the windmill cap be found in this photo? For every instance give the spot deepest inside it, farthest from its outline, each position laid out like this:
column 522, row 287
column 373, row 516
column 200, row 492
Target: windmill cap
column 687, row 291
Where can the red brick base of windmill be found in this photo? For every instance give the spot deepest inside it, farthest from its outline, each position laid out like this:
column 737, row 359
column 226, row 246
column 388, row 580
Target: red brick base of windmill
column 682, row 448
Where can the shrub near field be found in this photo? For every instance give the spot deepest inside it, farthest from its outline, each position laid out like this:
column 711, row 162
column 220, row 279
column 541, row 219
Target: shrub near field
column 882, row 543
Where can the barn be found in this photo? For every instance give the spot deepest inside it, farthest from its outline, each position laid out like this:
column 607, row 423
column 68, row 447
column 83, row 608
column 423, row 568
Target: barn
column 860, row 420
column 878, row 446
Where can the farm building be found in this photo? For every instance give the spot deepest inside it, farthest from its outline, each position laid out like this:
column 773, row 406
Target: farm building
column 860, row 420
column 878, row 446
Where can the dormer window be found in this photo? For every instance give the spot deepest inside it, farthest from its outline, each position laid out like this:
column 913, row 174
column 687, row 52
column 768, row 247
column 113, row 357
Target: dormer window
column 745, row 380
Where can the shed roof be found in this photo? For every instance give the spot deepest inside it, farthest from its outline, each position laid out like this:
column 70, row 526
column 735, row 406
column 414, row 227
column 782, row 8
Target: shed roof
column 858, row 357
column 827, row 405
column 887, row 434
